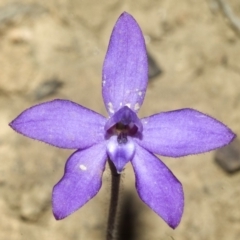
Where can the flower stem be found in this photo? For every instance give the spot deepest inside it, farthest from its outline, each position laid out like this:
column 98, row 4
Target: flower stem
column 115, row 179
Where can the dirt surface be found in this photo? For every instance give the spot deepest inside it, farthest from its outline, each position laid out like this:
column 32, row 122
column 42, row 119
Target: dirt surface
column 55, row 49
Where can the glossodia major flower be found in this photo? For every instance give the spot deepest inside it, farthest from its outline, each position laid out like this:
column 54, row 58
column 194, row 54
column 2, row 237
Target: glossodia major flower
column 122, row 137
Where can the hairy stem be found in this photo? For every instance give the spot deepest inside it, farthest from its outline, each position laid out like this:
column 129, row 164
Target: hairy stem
column 115, row 181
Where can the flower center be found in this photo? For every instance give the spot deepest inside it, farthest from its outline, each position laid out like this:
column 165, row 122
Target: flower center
column 122, row 138
column 119, row 129
column 123, row 123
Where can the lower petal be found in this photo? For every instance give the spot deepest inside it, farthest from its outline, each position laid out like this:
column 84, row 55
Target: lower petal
column 81, row 181
column 158, row 187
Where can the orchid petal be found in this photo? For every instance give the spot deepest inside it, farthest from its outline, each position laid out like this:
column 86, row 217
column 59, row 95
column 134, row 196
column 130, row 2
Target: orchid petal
column 183, row 132
column 61, row 123
column 126, row 117
column 125, row 69
column 158, row 187
column 120, row 152
column 81, row 181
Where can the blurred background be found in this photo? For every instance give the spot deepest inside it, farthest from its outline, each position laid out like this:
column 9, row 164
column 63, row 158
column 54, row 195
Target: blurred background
column 55, row 49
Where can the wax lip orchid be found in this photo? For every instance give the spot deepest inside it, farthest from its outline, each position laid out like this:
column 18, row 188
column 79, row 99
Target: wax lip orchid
column 122, row 137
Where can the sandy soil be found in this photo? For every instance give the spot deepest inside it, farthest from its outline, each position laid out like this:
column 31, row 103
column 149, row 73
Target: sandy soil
column 64, row 42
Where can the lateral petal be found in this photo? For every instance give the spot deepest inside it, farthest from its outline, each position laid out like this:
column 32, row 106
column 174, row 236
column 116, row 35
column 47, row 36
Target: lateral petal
column 61, row 123
column 158, row 187
column 125, row 69
column 183, row 132
column 81, row 181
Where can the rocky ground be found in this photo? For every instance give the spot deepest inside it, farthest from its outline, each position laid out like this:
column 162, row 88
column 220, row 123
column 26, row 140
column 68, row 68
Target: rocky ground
column 55, row 49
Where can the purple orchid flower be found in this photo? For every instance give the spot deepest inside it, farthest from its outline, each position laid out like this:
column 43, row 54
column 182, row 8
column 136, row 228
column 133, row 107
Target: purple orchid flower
column 122, row 137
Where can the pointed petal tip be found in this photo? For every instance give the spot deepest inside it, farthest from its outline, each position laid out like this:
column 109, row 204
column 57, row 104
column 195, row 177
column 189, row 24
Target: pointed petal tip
column 233, row 135
column 56, row 216
column 229, row 137
column 14, row 124
column 174, row 225
column 120, row 167
column 11, row 125
column 171, row 221
column 58, row 209
column 120, row 172
column 58, row 213
column 125, row 15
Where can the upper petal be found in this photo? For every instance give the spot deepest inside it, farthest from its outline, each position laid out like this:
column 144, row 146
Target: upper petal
column 125, row 69
column 61, row 123
column 81, row 181
column 183, row 132
column 158, row 187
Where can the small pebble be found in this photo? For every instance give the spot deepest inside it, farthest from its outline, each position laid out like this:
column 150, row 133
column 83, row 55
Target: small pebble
column 228, row 157
column 153, row 68
column 20, row 35
column 47, row 88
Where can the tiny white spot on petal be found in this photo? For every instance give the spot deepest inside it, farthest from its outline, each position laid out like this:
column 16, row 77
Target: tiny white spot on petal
column 145, row 121
column 147, row 38
column 103, row 82
column 140, row 93
column 201, row 116
column 120, row 104
column 128, row 105
column 136, row 106
column 110, row 107
column 83, row 167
